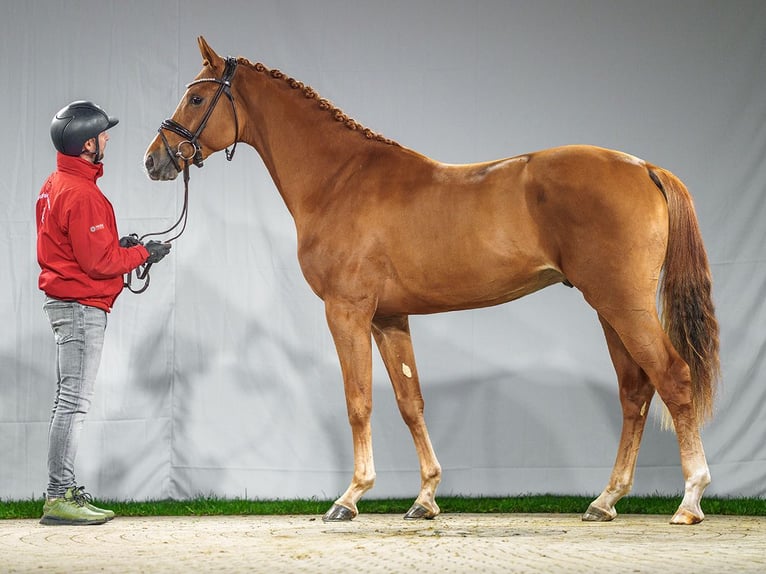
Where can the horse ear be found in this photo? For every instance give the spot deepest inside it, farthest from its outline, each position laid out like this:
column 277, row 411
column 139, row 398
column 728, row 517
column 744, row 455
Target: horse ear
column 209, row 57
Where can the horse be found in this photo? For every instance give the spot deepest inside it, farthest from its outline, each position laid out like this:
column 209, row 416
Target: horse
column 384, row 232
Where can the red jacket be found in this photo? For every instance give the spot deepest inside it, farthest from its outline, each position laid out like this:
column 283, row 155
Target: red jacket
column 78, row 247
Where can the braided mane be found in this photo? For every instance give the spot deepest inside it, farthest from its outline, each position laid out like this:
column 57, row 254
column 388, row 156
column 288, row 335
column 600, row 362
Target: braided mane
column 323, row 103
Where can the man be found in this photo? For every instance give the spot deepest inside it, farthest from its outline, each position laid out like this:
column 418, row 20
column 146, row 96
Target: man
column 82, row 263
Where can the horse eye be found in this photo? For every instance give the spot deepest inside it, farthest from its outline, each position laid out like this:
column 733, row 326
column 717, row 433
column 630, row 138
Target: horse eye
column 195, row 100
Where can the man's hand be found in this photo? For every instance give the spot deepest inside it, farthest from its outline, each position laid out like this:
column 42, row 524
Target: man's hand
column 157, row 251
column 129, row 241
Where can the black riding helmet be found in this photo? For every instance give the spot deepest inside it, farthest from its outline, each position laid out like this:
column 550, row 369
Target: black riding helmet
column 76, row 123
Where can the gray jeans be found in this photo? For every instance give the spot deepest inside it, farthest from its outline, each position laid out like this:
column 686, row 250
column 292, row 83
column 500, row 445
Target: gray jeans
column 79, row 333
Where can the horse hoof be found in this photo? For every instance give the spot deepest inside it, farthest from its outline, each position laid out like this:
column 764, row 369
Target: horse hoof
column 338, row 513
column 595, row 514
column 683, row 516
column 417, row 512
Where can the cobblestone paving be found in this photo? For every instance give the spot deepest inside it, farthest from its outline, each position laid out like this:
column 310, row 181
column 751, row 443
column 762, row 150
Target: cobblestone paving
column 386, row 543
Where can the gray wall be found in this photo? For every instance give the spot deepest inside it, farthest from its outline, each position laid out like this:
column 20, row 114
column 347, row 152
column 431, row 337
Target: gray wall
column 223, row 379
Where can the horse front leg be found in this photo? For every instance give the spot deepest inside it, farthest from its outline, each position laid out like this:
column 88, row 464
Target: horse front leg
column 636, row 392
column 392, row 335
column 350, row 328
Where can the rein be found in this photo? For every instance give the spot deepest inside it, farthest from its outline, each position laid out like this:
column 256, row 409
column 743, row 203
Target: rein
column 142, row 271
column 194, row 156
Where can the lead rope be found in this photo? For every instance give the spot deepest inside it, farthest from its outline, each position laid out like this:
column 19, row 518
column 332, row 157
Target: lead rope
column 142, row 271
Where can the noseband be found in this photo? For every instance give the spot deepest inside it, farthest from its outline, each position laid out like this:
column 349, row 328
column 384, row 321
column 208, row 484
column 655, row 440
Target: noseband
column 195, row 156
column 191, row 140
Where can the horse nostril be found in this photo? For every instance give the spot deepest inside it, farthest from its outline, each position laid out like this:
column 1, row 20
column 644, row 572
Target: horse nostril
column 149, row 163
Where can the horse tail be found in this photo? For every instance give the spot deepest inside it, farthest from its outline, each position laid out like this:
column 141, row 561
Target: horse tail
column 686, row 303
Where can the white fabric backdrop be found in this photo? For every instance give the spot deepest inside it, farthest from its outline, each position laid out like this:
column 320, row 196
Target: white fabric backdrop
column 222, row 379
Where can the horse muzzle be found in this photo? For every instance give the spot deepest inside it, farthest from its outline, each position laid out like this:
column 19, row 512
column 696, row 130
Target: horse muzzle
column 159, row 166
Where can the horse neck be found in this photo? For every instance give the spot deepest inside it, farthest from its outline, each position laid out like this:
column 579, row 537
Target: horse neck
column 299, row 142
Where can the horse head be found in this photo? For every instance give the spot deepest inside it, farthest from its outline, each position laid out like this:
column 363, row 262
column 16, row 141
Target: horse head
column 199, row 127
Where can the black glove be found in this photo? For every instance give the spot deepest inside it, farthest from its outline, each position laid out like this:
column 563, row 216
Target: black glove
column 129, row 241
column 156, row 251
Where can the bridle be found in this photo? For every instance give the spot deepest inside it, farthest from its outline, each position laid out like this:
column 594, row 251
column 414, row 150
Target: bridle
column 194, row 156
column 192, row 139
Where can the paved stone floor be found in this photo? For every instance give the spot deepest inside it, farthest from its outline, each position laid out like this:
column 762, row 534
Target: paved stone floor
column 386, row 543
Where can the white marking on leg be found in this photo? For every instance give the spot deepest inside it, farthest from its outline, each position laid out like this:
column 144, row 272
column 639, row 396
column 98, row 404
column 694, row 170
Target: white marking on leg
column 406, row 370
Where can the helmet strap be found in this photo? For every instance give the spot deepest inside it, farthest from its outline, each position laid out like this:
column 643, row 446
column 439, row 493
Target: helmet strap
column 96, row 155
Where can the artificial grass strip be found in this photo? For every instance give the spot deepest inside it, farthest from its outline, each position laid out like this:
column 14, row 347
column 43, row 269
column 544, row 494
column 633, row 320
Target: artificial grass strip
column 532, row 504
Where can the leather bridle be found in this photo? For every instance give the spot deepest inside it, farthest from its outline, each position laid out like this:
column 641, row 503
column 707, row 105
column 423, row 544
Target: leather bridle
column 194, row 156
column 192, row 139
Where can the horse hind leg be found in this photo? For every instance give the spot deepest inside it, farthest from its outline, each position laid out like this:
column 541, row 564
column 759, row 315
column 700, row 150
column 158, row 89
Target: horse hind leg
column 636, row 392
column 392, row 335
column 651, row 349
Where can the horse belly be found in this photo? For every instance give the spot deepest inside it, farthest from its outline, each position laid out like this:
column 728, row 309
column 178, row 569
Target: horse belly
column 483, row 282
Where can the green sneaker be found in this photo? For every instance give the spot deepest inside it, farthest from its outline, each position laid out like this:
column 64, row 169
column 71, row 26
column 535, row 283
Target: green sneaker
column 79, row 492
column 71, row 509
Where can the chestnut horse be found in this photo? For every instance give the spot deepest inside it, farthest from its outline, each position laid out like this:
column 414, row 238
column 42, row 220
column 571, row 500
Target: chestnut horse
column 384, row 232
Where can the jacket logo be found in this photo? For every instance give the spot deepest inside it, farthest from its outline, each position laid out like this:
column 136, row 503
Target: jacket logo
column 96, row 227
